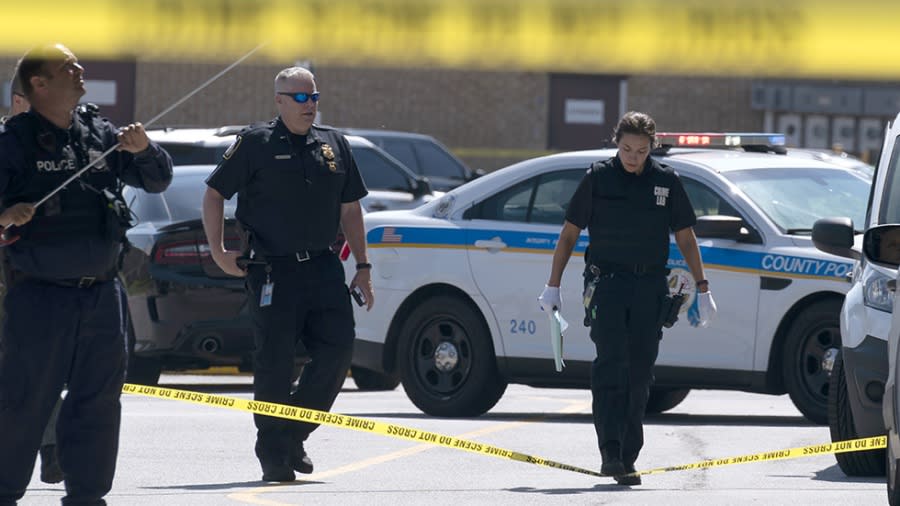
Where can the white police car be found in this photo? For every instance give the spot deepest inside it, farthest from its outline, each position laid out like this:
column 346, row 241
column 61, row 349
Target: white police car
column 456, row 280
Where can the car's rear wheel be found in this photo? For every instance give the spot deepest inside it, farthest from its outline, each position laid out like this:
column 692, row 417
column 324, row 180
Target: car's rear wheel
column 371, row 381
column 840, row 423
column 446, row 359
column 814, row 333
column 664, row 399
column 143, row 371
column 140, row 370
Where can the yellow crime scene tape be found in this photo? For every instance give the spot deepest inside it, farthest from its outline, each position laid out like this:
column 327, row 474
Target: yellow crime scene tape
column 801, row 38
column 422, row 436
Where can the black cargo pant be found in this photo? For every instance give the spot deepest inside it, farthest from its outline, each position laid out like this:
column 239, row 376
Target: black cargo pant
column 53, row 335
column 310, row 309
column 625, row 330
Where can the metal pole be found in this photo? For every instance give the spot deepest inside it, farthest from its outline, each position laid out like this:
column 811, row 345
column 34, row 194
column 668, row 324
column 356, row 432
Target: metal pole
column 148, row 123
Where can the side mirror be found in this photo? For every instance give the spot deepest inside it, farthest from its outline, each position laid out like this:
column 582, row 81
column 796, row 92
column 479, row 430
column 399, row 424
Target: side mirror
column 881, row 245
column 420, row 187
column 475, row 174
column 835, row 236
column 726, row 227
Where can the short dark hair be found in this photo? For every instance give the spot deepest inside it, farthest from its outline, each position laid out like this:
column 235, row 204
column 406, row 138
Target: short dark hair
column 636, row 123
column 34, row 63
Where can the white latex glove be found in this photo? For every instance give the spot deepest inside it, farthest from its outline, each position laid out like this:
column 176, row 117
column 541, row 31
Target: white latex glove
column 706, row 308
column 550, row 299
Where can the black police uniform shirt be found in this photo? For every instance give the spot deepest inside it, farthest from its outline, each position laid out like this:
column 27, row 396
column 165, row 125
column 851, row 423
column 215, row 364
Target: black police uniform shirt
column 290, row 187
column 70, row 235
column 629, row 216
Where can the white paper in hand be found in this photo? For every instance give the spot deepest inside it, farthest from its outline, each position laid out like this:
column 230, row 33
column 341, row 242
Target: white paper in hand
column 558, row 325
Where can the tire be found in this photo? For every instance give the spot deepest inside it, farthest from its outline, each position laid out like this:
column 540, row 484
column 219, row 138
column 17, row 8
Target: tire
column 140, row 370
column 463, row 379
column 664, row 399
column 813, row 332
column 841, row 426
column 893, row 475
column 143, row 371
column 368, row 380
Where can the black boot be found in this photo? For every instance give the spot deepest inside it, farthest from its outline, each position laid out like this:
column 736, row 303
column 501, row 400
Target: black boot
column 628, row 479
column 276, row 470
column 276, row 466
column 611, row 453
column 50, row 470
column 300, row 461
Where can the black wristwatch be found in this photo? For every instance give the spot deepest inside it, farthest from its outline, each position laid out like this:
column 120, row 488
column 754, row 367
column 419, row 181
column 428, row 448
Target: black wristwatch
column 363, row 265
column 702, row 282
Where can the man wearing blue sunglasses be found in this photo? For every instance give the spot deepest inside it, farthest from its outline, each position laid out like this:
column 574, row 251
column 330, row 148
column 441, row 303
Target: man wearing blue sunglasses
column 297, row 183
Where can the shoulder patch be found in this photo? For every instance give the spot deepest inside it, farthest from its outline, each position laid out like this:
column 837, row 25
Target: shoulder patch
column 233, row 148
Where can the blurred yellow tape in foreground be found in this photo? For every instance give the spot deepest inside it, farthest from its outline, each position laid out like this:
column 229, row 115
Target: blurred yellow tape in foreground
column 421, row 436
column 828, row 38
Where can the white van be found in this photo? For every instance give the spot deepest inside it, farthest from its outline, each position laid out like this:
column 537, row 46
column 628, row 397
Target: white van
column 860, row 369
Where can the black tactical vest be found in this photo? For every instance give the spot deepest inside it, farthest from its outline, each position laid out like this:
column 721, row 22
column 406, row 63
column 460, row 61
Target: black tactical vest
column 78, row 219
column 628, row 225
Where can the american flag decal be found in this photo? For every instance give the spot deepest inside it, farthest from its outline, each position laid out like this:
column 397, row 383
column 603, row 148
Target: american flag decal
column 390, row 236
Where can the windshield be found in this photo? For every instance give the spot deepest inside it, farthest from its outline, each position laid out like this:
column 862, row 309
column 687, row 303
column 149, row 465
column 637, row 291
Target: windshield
column 795, row 198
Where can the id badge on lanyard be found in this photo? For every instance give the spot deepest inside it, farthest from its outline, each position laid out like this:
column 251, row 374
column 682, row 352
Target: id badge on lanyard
column 265, row 295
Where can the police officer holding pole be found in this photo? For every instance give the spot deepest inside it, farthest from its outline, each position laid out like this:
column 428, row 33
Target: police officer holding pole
column 63, row 320
column 629, row 204
column 296, row 184
column 50, row 470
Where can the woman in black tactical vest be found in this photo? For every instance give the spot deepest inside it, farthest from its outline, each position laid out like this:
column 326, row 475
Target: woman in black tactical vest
column 629, row 204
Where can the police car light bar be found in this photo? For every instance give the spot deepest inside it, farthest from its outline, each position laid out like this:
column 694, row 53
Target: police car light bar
column 719, row 140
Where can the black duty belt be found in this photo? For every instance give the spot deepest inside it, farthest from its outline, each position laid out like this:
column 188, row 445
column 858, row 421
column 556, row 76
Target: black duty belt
column 299, row 256
column 611, row 267
column 82, row 282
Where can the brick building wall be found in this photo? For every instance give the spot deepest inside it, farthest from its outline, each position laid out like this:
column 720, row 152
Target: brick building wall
column 695, row 104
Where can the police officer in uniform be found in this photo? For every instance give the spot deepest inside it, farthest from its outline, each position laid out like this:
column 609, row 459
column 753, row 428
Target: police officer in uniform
column 629, row 204
column 63, row 319
column 296, row 184
column 50, row 470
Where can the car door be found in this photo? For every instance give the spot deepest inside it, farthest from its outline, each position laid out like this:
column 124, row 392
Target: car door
column 510, row 243
column 728, row 342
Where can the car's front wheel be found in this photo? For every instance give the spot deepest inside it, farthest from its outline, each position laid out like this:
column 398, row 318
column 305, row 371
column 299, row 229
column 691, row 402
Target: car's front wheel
column 370, row 381
column 814, row 333
column 664, row 399
column 446, row 359
column 840, row 423
column 893, row 474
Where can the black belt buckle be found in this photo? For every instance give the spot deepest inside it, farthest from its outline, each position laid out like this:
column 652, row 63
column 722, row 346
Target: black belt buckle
column 303, row 256
column 86, row 281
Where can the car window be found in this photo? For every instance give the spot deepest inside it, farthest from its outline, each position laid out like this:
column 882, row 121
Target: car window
column 436, row 162
column 403, row 151
column 795, row 198
column 181, row 201
column 551, row 199
column 378, row 172
column 705, row 201
column 890, row 208
column 145, row 206
column 192, row 154
column 541, row 199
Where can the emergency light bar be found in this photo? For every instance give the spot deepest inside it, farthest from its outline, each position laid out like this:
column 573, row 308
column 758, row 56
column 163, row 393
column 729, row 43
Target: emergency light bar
column 719, row 140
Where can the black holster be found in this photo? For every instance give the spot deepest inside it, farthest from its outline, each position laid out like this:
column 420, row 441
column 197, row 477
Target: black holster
column 669, row 308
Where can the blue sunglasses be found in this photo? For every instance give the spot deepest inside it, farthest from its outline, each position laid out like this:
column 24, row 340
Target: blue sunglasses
column 301, row 98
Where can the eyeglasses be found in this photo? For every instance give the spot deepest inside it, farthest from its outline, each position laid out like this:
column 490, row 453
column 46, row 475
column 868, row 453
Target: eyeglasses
column 301, row 98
